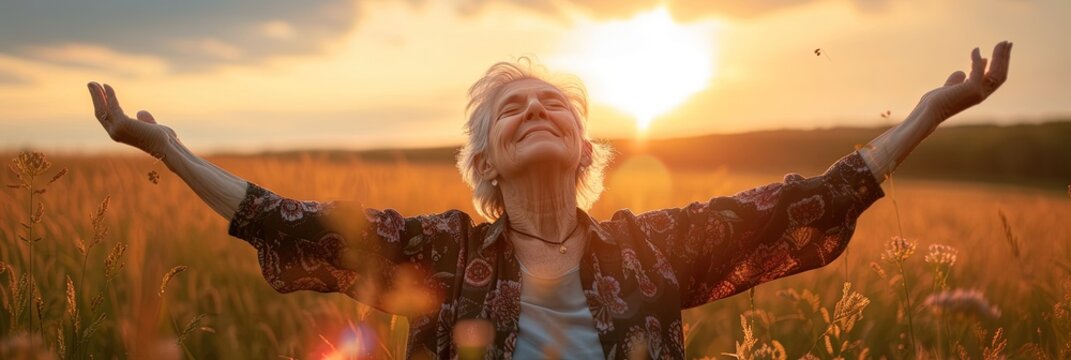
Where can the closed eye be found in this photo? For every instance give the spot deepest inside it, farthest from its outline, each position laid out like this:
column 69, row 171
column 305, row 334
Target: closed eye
column 555, row 104
column 509, row 111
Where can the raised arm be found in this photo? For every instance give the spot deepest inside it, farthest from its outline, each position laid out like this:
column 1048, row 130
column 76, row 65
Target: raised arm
column 729, row 244
column 221, row 190
column 336, row 246
column 887, row 151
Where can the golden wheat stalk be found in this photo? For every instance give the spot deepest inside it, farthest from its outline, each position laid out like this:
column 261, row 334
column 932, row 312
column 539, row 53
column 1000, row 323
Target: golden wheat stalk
column 169, row 275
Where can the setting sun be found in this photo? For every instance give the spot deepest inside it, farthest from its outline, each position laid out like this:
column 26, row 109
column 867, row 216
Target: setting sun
column 644, row 66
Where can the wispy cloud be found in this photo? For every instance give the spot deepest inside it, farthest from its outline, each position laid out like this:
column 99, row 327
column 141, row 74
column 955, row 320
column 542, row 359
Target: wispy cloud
column 683, row 10
column 97, row 58
column 7, row 78
column 187, row 35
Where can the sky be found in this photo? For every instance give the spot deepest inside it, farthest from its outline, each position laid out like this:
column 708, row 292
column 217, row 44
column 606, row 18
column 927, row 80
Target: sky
column 251, row 75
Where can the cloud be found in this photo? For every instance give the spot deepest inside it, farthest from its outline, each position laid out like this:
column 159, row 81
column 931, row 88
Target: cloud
column 682, row 10
column 7, row 78
column 97, row 57
column 189, row 35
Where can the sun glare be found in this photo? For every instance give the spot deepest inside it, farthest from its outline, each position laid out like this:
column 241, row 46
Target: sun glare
column 644, row 66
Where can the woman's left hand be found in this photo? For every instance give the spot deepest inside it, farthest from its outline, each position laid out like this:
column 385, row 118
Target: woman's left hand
column 960, row 92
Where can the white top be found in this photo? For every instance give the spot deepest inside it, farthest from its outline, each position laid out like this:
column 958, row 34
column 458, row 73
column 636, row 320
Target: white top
column 555, row 319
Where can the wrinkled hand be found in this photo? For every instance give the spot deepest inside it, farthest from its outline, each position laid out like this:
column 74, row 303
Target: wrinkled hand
column 961, row 92
column 143, row 133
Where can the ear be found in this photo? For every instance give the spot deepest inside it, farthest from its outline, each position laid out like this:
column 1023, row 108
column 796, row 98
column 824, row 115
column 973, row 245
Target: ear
column 586, row 153
column 486, row 170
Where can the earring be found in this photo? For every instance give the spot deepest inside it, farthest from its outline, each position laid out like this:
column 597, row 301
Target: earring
column 494, row 182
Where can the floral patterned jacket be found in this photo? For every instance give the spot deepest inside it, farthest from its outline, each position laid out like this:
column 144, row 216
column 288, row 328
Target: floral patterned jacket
column 638, row 275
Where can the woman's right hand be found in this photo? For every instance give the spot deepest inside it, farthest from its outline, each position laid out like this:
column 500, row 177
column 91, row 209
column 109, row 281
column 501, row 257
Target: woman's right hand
column 143, row 133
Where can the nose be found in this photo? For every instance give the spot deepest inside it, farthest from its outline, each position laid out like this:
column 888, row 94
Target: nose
column 535, row 110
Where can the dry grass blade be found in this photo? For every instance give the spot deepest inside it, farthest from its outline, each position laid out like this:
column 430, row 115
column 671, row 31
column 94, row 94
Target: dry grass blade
column 878, row 270
column 99, row 299
column 1013, row 240
column 849, row 309
column 169, row 275
column 995, row 349
column 92, row 328
column 191, row 326
column 39, row 303
column 744, row 349
column 72, row 304
column 21, row 293
column 114, row 262
column 58, row 175
column 100, row 230
column 61, row 345
column 36, row 218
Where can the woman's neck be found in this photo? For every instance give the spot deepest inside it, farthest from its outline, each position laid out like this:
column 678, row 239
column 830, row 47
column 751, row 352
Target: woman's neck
column 541, row 201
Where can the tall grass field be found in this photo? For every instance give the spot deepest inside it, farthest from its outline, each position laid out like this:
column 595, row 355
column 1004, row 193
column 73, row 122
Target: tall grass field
column 131, row 264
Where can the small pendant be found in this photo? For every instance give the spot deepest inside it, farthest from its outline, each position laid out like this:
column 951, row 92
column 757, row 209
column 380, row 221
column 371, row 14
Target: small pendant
column 562, row 249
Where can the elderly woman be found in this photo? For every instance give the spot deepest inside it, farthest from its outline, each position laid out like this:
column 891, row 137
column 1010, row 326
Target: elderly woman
column 546, row 275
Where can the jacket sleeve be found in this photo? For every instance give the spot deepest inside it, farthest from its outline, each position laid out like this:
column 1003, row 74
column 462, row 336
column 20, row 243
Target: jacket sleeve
column 377, row 257
column 730, row 244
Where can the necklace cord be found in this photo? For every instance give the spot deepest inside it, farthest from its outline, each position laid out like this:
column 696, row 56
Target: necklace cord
column 575, row 226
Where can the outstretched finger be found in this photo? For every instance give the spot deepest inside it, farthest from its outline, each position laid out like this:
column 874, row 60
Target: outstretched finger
column 113, row 101
column 998, row 72
column 100, row 106
column 977, row 66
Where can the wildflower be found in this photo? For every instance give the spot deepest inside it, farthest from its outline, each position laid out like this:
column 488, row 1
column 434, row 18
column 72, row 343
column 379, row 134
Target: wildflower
column 898, row 250
column 29, row 164
column 773, row 351
column 969, row 303
column 941, row 255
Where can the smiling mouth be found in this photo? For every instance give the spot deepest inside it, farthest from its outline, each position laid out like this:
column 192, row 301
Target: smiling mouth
column 530, row 133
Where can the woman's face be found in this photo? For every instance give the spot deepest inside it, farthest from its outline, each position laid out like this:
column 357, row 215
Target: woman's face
column 532, row 122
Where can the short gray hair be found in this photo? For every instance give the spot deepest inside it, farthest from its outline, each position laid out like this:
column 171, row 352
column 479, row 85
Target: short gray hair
column 482, row 95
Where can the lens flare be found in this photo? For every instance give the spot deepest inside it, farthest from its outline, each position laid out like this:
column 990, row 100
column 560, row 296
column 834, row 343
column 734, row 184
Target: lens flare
column 649, row 177
column 351, row 343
